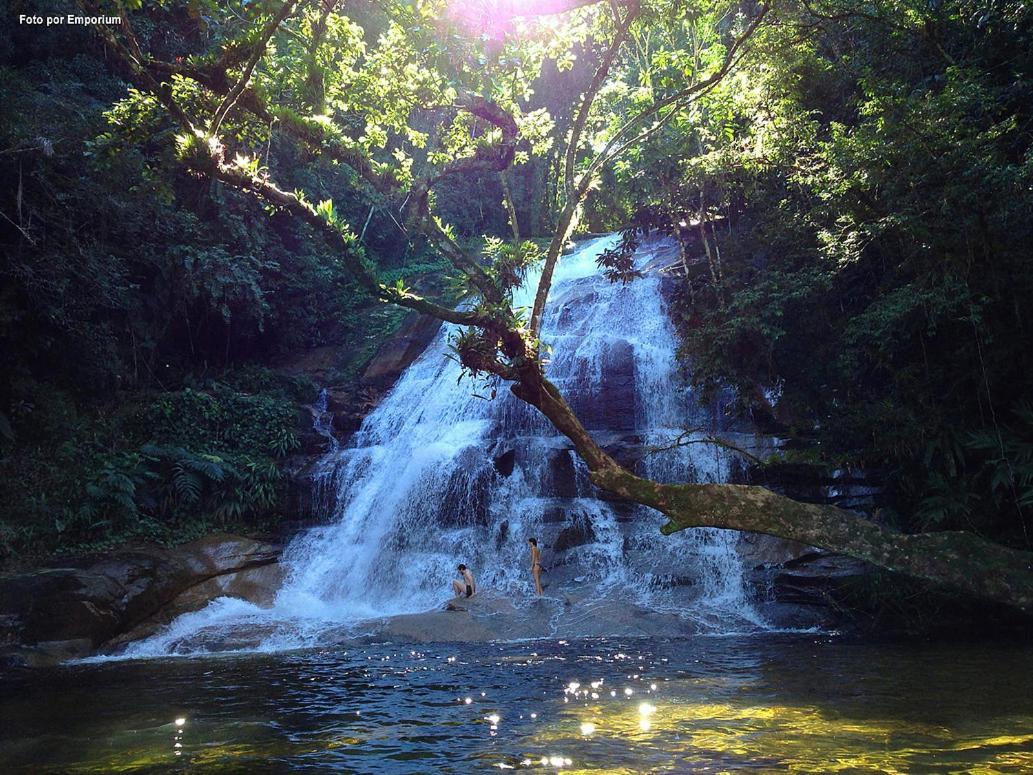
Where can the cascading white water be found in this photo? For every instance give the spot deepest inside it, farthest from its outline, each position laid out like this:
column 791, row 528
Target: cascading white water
column 440, row 474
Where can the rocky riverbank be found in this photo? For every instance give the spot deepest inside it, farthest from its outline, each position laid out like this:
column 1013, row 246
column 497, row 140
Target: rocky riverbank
column 79, row 607
column 99, row 605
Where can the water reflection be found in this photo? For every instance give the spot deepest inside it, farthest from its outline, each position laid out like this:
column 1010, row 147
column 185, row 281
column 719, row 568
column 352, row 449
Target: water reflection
column 579, row 706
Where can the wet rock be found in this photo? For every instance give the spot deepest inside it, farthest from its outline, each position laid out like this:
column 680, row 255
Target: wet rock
column 88, row 605
column 300, row 495
column 488, row 616
column 482, row 617
column 799, row 586
column 257, row 585
column 801, row 615
column 311, row 443
column 554, row 514
column 844, row 487
column 395, row 355
column 763, row 551
column 468, row 493
column 63, row 612
column 814, row 579
column 505, row 462
column 288, row 528
column 315, row 363
column 346, row 423
column 626, row 449
column 563, row 476
column 501, row 535
column 578, row 533
column 348, row 407
column 220, row 554
column 611, row 403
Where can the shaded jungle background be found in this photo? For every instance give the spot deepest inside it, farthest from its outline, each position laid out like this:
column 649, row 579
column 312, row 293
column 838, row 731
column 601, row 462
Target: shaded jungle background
column 853, row 205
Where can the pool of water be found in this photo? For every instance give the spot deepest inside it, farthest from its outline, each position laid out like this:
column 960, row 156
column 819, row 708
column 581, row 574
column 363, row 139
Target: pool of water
column 706, row 704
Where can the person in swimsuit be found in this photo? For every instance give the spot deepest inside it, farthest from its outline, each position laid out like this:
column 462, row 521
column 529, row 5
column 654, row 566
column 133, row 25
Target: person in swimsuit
column 536, row 565
column 467, row 586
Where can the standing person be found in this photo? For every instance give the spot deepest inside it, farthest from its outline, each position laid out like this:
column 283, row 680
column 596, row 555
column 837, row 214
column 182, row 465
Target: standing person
column 536, row 565
column 467, row 586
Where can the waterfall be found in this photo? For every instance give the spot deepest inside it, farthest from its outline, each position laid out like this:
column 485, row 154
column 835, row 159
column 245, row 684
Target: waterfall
column 441, row 472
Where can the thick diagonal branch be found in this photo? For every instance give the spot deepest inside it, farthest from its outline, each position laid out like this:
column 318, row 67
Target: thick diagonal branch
column 959, row 560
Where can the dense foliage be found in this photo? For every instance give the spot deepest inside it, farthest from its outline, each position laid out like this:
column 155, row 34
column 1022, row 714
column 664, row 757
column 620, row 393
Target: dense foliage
column 134, row 295
column 864, row 184
column 850, row 190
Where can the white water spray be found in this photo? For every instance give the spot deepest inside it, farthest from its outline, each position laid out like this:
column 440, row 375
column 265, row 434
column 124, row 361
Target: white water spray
column 439, row 474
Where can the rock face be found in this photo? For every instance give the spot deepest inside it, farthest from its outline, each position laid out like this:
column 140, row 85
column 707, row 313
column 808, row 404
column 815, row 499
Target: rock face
column 342, row 408
column 807, row 587
column 400, row 350
column 577, row 533
column 70, row 611
column 611, row 404
column 845, row 488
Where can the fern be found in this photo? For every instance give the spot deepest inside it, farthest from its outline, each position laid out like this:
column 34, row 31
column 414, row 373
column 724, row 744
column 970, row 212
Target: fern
column 186, row 484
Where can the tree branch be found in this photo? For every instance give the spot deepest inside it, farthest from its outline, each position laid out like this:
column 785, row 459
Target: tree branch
column 161, row 91
column 683, row 440
column 352, row 255
column 256, row 54
column 510, row 205
column 314, row 82
column 960, row 560
column 581, row 187
column 623, row 26
column 315, row 134
column 679, row 98
column 494, row 158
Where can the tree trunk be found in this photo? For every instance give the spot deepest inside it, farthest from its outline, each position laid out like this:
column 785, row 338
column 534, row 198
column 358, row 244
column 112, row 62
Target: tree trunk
column 956, row 559
column 507, row 200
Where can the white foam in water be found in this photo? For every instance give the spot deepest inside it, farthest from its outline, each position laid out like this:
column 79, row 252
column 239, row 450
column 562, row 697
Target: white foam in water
column 416, row 489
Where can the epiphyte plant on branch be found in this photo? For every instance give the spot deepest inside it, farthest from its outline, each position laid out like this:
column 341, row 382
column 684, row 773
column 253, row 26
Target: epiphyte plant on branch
column 442, row 92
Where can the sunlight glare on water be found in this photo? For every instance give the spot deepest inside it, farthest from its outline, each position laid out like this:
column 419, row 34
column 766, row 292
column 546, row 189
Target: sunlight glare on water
column 771, row 703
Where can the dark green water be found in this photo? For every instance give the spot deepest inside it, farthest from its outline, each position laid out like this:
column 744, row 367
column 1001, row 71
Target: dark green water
column 760, row 704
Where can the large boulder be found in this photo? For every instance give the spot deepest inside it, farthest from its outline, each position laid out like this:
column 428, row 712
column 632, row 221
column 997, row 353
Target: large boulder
column 805, row 587
column 816, row 577
column 71, row 610
column 562, row 474
column 400, row 350
column 257, row 584
column 760, row 552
